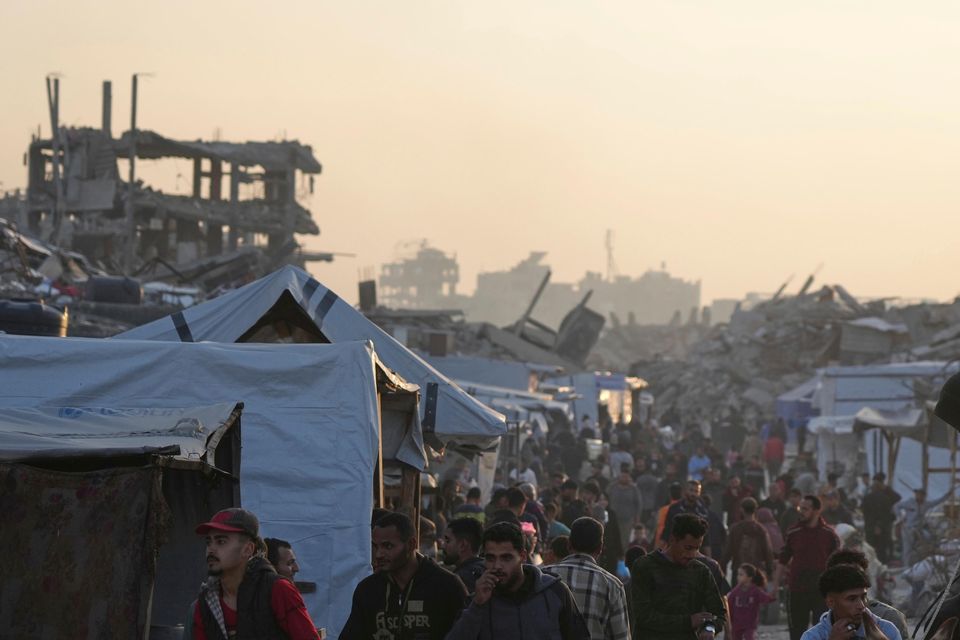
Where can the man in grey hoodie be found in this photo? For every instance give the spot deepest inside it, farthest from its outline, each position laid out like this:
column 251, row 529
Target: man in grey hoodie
column 516, row 600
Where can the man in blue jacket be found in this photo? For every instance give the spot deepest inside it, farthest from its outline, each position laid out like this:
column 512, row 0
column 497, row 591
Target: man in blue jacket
column 516, row 600
column 844, row 588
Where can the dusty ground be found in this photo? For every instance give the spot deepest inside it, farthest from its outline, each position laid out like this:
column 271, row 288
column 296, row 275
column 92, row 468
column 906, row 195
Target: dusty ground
column 773, row 632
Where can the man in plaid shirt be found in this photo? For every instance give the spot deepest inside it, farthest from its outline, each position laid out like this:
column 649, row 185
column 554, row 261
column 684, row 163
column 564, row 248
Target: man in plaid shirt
column 599, row 594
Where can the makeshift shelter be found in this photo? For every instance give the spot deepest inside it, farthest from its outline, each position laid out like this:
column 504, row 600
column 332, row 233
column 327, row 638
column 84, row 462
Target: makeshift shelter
column 448, row 415
column 490, row 371
column 616, row 393
column 879, row 410
column 311, row 443
column 795, row 407
column 92, row 498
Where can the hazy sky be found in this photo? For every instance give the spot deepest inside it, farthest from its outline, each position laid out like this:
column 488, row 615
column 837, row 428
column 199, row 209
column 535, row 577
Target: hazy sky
column 738, row 141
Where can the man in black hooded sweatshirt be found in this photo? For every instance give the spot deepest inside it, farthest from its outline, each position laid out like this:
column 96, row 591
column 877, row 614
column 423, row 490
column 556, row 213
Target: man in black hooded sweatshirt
column 409, row 596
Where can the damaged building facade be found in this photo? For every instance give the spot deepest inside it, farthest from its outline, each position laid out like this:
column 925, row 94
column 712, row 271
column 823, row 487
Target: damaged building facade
column 429, row 279
column 76, row 199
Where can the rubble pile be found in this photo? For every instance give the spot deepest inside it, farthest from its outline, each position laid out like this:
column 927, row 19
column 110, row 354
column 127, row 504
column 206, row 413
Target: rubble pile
column 739, row 368
column 621, row 346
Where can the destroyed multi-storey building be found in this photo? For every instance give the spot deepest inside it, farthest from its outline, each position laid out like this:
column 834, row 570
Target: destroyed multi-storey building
column 243, row 199
column 428, row 280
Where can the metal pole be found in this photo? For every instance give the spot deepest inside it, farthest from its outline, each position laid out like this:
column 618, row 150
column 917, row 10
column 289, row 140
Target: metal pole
column 53, row 100
column 131, row 227
column 106, row 117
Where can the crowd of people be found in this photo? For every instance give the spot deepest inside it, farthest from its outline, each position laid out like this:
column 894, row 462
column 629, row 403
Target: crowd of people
column 655, row 537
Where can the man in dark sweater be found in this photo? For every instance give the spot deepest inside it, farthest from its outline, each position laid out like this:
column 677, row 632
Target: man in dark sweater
column 748, row 542
column 805, row 551
column 517, row 600
column 409, row 595
column 674, row 595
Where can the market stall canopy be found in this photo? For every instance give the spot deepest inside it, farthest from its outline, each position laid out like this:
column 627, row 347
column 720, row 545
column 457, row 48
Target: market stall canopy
column 449, row 416
column 908, row 423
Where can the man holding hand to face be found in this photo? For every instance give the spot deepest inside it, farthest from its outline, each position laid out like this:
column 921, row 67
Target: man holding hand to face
column 516, row 600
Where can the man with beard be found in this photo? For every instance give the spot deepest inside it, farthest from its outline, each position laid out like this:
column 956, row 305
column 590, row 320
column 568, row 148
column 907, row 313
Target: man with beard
column 844, row 588
column 805, row 551
column 516, row 600
column 244, row 597
column 673, row 595
column 409, row 596
column 460, row 546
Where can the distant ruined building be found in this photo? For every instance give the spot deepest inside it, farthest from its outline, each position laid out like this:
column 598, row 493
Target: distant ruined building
column 241, row 208
column 428, row 280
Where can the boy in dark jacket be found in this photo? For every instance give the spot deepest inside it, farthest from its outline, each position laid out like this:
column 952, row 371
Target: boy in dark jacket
column 517, row 600
column 674, row 596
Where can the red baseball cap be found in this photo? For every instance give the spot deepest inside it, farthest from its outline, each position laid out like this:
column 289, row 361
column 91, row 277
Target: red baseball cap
column 233, row 520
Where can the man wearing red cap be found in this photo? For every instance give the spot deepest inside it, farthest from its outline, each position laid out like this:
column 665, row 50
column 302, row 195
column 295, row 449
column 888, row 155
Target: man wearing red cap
column 244, row 597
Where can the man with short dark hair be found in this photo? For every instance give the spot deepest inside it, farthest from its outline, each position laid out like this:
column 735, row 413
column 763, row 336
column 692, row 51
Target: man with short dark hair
column 844, row 588
column 805, row 551
column 461, row 546
column 599, row 594
column 244, row 597
column 774, row 500
column 281, row 556
column 834, row 512
column 554, row 526
column 471, row 508
column 408, row 595
column 673, row 595
column 676, row 494
column 691, row 503
column 748, row 542
column 880, row 609
column 517, row 600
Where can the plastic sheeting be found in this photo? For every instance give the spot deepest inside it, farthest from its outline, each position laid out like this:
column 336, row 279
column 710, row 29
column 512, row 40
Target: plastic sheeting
column 56, row 432
column 445, row 410
column 310, row 442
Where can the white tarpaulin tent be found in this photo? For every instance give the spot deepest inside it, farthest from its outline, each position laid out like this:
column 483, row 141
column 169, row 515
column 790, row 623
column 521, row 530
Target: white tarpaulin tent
column 447, row 413
column 310, row 443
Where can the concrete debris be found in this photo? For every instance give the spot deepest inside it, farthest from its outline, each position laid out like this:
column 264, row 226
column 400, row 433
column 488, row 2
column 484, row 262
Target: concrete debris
column 737, row 370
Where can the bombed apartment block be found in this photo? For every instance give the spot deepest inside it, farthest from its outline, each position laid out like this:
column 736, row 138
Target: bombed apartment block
column 239, row 198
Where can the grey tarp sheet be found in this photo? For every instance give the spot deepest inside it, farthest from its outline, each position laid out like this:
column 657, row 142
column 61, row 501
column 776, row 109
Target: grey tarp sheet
column 310, row 442
column 445, row 410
